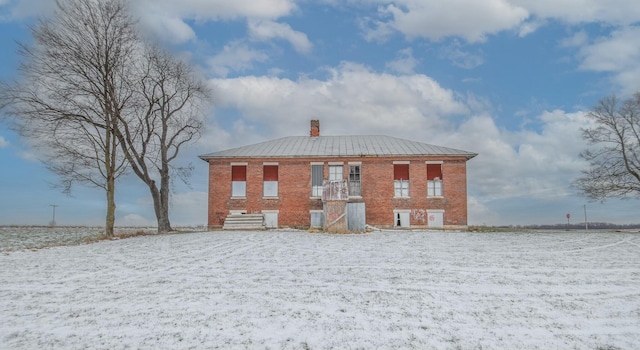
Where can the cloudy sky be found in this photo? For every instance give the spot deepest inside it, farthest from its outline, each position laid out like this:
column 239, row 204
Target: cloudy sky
column 509, row 79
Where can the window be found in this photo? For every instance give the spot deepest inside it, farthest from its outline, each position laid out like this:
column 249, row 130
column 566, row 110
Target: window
column 434, row 180
column 238, row 180
column 270, row 180
column 354, row 180
column 401, row 180
column 316, row 179
column 335, row 172
column 317, row 218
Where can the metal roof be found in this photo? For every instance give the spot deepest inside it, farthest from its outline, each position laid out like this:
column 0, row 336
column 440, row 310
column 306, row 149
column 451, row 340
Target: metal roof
column 337, row 146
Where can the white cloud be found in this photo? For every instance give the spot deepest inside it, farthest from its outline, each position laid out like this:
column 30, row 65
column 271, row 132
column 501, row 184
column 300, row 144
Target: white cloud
column 3, row 143
column 235, row 57
column 18, row 10
column 480, row 214
column 405, row 63
column 619, row 54
column 474, row 20
column 165, row 19
column 460, row 57
column 578, row 39
column 530, row 26
column 352, row 98
column 523, row 163
column 436, row 19
column 167, row 28
column 135, row 220
column 264, row 30
column 616, row 12
column 188, row 208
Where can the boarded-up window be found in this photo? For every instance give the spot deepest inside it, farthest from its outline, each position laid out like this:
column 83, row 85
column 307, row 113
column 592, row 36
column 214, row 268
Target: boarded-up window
column 238, row 180
column 434, row 171
column 270, row 173
column 401, row 171
column 270, row 180
column 239, row 173
column 434, row 180
column 401, row 180
column 316, row 179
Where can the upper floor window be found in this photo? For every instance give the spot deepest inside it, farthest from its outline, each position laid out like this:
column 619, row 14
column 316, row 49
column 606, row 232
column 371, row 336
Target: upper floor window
column 335, row 172
column 354, row 180
column 317, row 174
column 401, row 180
column 238, row 181
column 434, row 180
column 270, row 180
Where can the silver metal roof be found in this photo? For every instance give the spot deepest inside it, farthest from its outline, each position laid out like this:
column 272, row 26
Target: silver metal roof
column 337, row 146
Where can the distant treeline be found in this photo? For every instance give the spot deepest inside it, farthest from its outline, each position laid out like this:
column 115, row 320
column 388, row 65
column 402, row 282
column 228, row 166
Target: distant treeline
column 579, row 226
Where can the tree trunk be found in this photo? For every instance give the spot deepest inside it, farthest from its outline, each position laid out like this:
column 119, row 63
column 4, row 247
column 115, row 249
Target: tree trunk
column 161, row 204
column 111, row 207
column 163, row 219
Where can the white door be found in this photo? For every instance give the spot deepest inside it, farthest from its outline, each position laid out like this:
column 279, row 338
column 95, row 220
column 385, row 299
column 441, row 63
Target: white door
column 271, row 219
column 401, row 219
column 436, row 219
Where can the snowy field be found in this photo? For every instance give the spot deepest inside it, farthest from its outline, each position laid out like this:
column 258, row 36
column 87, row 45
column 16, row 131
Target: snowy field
column 297, row 290
column 35, row 237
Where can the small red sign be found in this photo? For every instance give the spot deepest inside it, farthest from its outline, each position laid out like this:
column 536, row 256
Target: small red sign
column 568, row 216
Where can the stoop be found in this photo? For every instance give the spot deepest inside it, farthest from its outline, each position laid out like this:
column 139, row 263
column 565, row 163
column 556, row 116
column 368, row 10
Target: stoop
column 244, row 222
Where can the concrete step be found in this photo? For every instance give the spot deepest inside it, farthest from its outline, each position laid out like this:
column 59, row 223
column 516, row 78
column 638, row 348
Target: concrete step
column 244, row 222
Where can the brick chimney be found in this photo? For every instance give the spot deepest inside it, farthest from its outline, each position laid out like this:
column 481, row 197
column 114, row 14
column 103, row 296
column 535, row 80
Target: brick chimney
column 315, row 128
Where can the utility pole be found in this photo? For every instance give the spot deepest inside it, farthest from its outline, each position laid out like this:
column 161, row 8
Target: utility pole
column 586, row 223
column 53, row 221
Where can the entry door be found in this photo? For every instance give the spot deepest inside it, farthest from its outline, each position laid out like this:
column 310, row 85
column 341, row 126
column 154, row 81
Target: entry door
column 270, row 219
column 401, row 219
column 436, row 219
column 356, row 217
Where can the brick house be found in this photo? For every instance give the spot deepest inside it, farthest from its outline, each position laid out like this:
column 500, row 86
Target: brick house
column 386, row 181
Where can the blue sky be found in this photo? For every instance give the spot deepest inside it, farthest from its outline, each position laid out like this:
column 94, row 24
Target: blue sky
column 509, row 79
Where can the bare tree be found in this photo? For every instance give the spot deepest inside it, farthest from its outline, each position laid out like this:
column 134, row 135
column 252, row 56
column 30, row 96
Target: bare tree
column 75, row 84
column 170, row 105
column 614, row 166
column 100, row 100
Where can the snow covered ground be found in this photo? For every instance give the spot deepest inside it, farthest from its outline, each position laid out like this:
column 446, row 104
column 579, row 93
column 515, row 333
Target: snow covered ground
column 297, row 290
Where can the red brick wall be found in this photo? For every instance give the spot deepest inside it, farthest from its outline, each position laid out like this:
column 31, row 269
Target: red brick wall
column 294, row 190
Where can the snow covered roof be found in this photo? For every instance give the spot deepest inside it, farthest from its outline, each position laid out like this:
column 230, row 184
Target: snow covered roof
column 337, row 146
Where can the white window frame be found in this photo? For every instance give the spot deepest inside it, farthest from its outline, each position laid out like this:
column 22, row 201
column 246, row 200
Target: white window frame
column 319, row 213
column 316, row 190
column 336, row 172
column 238, row 189
column 270, row 189
column 359, row 180
column 401, row 188
column 434, row 188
